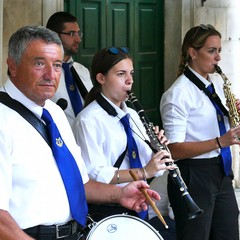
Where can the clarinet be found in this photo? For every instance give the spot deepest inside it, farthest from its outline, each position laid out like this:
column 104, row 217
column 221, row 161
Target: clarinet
column 155, row 145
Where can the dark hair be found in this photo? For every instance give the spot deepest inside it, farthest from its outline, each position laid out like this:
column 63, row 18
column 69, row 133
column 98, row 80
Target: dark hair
column 195, row 38
column 102, row 62
column 57, row 20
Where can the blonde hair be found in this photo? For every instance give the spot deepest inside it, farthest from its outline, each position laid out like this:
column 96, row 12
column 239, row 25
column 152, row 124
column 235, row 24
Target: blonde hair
column 195, row 38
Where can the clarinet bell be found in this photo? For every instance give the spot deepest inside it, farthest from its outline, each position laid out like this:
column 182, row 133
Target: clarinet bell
column 193, row 209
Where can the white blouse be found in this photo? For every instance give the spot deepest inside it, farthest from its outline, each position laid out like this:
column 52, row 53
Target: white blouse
column 187, row 113
column 102, row 139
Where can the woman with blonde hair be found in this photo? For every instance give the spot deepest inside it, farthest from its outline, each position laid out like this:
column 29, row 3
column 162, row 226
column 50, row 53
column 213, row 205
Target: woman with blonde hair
column 196, row 122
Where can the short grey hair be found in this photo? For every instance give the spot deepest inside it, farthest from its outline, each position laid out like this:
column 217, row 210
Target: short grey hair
column 23, row 36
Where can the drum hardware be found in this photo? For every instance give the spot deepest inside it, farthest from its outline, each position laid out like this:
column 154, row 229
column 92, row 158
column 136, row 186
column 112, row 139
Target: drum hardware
column 85, row 231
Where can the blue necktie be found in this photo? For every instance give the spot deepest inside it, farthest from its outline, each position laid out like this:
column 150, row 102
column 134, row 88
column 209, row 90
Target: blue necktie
column 225, row 152
column 69, row 171
column 72, row 89
column 132, row 152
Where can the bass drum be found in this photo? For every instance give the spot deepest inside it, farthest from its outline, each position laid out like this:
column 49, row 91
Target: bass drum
column 122, row 226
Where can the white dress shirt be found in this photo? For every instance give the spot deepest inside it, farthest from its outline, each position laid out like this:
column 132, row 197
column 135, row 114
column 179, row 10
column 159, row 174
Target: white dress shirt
column 62, row 90
column 31, row 187
column 188, row 115
column 102, row 139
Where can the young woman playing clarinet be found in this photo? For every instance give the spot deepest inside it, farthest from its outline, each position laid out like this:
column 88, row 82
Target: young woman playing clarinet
column 108, row 150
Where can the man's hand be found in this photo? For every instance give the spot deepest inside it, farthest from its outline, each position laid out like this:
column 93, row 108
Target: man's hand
column 131, row 197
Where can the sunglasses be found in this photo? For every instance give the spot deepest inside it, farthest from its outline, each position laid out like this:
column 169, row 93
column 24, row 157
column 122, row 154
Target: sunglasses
column 203, row 27
column 116, row 50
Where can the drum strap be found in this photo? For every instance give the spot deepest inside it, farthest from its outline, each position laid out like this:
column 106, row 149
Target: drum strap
column 26, row 114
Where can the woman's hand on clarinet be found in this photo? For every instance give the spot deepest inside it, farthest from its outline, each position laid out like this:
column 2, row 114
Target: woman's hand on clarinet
column 160, row 161
column 160, row 135
column 230, row 138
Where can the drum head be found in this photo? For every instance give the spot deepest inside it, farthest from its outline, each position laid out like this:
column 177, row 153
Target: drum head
column 121, row 226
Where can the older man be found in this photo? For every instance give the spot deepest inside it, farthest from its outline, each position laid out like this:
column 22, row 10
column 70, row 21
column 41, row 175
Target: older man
column 35, row 199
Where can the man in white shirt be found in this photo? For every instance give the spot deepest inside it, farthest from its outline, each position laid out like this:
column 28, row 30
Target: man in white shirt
column 33, row 195
column 66, row 26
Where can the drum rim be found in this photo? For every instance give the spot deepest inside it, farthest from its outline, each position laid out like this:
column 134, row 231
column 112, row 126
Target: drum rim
column 123, row 215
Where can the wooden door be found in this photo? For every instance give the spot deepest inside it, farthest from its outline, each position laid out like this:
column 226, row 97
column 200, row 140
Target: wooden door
column 136, row 24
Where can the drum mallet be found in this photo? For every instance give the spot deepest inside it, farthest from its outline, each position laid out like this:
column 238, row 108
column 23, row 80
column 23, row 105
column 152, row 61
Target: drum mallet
column 151, row 202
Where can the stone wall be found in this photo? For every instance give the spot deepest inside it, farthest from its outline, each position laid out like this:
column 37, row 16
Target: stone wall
column 18, row 13
column 223, row 14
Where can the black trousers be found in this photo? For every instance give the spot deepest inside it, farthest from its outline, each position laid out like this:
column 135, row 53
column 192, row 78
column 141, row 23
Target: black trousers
column 213, row 192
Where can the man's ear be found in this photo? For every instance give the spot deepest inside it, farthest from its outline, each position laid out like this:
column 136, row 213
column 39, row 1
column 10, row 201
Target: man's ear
column 12, row 67
column 100, row 78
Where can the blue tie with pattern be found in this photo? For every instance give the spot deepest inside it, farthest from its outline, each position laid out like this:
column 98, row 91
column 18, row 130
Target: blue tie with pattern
column 132, row 152
column 72, row 89
column 225, row 152
column 69, row 171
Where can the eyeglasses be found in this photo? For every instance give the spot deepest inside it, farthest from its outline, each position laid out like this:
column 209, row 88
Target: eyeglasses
column 72, row 33
column 115, row 50
column 203, row 27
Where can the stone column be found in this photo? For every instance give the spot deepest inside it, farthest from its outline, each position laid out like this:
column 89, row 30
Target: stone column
column 49, row 7
column 19, row 13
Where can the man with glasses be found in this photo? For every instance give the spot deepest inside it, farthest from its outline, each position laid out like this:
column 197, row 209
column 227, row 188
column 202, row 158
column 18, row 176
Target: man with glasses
column 75, row 79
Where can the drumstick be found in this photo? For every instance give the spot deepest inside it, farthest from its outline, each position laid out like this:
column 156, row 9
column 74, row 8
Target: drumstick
column 151, row 202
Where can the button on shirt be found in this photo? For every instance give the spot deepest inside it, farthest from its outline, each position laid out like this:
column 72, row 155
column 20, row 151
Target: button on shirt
column 31, row 187
column 102, row 139
column 188, row 114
